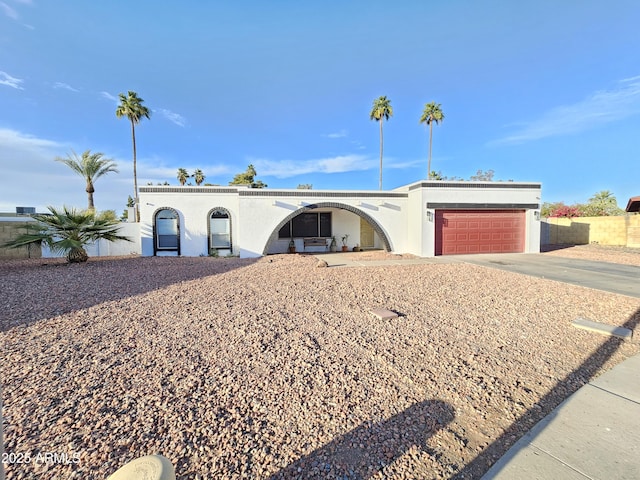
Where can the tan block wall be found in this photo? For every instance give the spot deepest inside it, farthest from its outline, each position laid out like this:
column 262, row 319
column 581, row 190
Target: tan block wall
column 621, row 230
column 9, row 231
column 633, row 234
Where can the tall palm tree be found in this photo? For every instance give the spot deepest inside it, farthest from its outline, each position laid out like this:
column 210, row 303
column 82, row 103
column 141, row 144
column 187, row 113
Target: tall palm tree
column 132, row 108
column 199, row 177
column 431, row 113
column 182, row 176
column 381, row 110
column 89, row 166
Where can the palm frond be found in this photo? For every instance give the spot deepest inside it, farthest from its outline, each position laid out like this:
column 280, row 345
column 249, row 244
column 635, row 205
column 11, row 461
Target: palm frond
column 67, row 229
column 131, row 107
column 381, row 109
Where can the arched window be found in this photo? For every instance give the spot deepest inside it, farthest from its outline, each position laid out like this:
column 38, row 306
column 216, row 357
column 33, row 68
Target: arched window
column 167, row 230
column 220, row 230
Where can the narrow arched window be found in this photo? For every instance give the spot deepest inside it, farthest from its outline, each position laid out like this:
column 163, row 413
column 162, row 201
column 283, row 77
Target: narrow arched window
column 167, row 230
column 220, row 230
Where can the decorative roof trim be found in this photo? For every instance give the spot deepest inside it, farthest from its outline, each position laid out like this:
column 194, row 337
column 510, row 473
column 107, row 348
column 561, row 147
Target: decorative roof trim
column 480, row 206
column 163, row 189
column 440, row 184
column 319, row 194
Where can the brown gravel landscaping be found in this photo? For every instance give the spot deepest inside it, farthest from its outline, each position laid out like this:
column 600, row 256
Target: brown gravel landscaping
column 273, row 368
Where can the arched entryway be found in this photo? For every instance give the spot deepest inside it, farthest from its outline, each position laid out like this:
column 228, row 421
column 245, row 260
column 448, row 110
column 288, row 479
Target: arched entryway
column 320, row 205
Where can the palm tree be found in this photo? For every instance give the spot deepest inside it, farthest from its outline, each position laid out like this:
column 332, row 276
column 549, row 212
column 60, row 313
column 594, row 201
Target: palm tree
column 199, row 177
column 602, row 204
column 182, row 176
column 132, row 108
column 381, row 110
column 89, row 166
column 431, row 113
column 68, row 231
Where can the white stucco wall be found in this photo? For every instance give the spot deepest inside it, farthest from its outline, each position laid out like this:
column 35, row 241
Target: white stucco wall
column 434, row 195
column 261, row 215
column 401, row 214
column 193, row 205
column 103, row 248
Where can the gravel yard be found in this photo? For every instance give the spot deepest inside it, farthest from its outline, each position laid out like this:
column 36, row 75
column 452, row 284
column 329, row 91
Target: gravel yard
column 273, row 368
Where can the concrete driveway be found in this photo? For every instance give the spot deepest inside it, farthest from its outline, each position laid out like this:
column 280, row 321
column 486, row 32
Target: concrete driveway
column 610, row 277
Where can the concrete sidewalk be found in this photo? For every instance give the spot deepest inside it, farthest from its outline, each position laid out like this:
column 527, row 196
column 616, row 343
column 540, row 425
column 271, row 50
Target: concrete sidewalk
column 594, row 434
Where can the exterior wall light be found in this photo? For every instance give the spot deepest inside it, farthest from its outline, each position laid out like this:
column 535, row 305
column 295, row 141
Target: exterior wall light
column 429, row 216
column 536, row 215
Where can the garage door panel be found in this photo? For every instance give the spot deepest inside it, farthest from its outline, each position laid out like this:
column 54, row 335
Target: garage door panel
column 479, row 231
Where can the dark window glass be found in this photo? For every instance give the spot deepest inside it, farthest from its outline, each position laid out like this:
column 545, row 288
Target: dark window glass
column 325, row 224
column 285, row 231
column 305, row 225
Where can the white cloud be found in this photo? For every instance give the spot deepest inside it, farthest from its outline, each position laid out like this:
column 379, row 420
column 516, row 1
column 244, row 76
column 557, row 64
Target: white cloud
column 341, row 134
column 30, row 177
column 64, row 86
column 13, row 139
column 155, row 170
column 13, row 14
column 108, row 96
column 603, row 106
column 291, row 168
column 8, row 11
column 406, row 164
column 8, row 80
column 172, row 117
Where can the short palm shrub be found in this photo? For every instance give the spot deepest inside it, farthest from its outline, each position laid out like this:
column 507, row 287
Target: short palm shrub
column 68, row 231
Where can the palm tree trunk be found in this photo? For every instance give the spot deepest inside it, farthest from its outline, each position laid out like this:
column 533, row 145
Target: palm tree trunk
column 135, row 174
column 90, row 191
column 381, row 143
column 430, row 140
column 77, row 255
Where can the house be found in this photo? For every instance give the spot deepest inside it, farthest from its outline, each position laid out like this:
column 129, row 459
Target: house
column 425, row 218
column 633, row 205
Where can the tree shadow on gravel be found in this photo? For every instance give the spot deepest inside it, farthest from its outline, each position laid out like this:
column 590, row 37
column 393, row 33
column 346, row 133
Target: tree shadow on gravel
column 561, row 391
column 39, row 289
column 366, row 450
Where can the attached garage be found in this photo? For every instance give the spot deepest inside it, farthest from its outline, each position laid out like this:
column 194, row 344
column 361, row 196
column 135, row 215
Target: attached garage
column 479, row 231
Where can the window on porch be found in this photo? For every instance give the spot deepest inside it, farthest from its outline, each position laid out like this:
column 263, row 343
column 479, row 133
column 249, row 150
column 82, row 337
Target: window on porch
column 308, row 224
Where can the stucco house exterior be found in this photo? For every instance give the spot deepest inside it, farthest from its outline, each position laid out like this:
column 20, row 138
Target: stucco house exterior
column 425, row 218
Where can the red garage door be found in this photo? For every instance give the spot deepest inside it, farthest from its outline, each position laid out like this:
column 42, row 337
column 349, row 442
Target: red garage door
column 479, row 231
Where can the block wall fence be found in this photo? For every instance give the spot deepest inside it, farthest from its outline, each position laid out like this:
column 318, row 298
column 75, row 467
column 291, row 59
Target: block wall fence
column 10, row 230
column 623, row 230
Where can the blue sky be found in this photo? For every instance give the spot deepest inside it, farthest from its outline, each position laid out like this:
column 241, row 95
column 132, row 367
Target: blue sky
column 542, row 91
